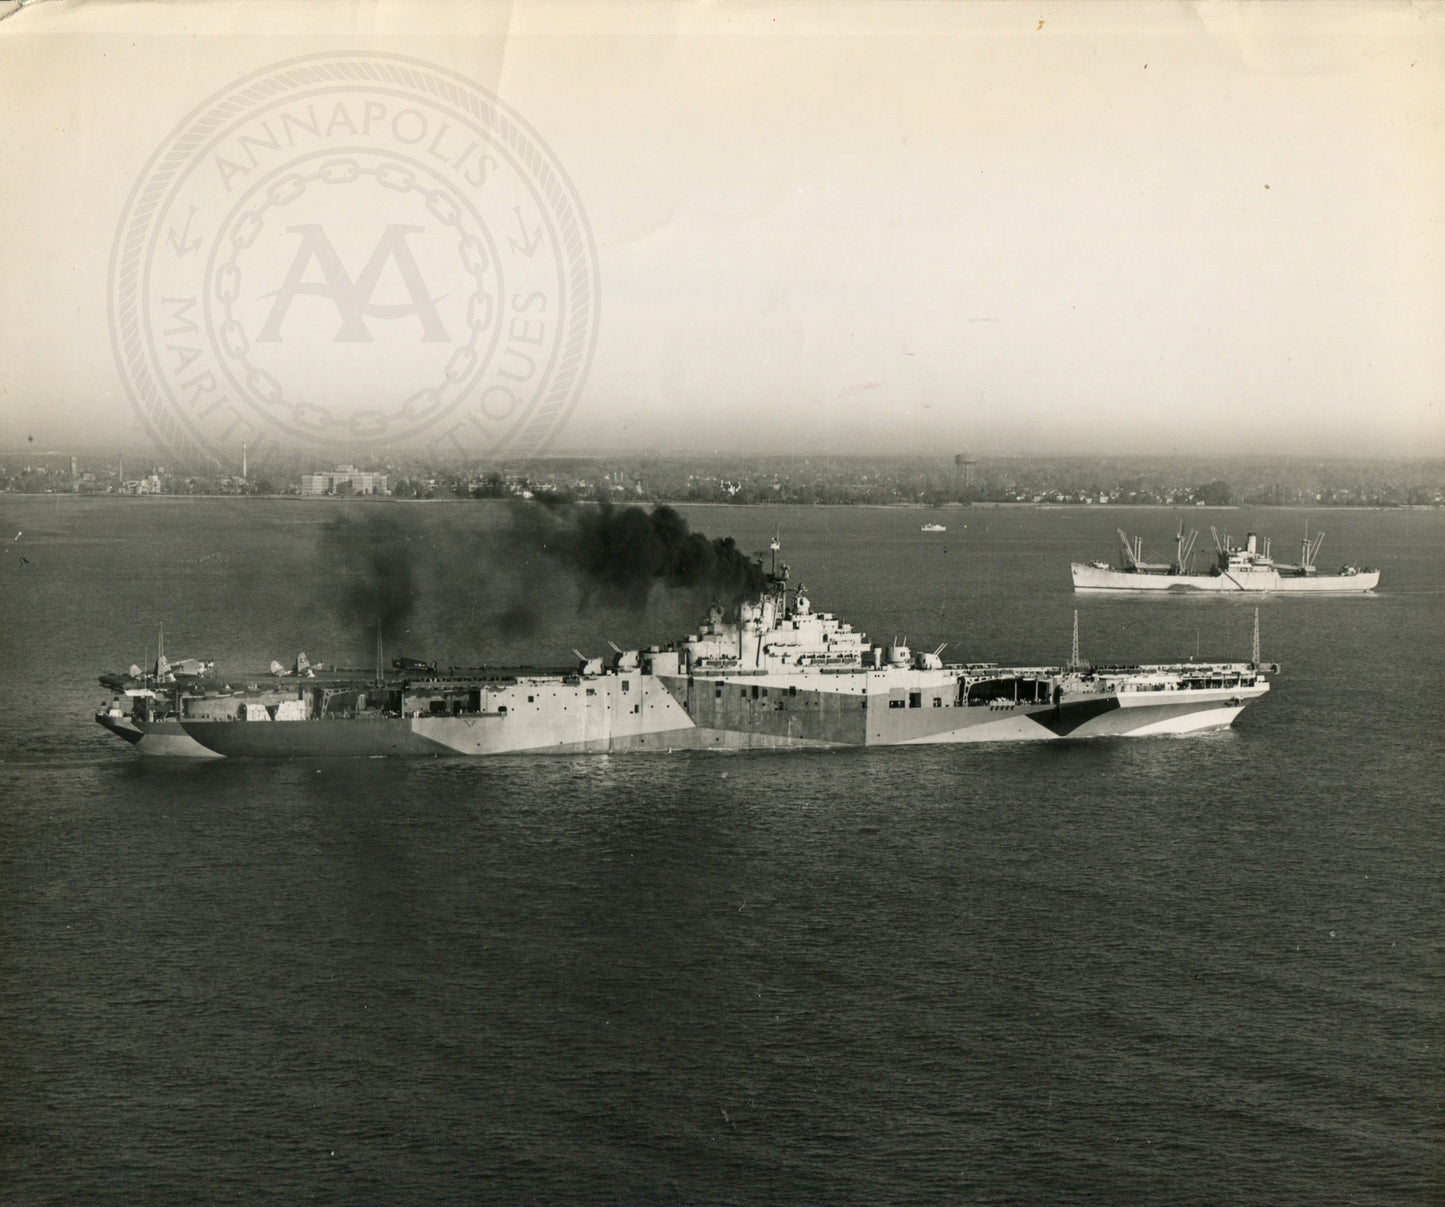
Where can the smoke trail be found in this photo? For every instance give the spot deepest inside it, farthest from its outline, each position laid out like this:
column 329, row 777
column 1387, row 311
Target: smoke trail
column 372, row 566
column 388, row 564
column 617, row 555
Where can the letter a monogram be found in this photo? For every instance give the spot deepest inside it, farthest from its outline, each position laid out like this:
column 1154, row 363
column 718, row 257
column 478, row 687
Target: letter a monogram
column 353, row 298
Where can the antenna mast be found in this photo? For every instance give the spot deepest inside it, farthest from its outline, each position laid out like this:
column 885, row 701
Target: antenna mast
column 1255, row 658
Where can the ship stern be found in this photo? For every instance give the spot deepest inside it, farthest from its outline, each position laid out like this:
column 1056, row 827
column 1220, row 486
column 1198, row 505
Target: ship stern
column 164, row 738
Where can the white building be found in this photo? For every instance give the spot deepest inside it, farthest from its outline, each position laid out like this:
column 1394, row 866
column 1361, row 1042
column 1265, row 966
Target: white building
column 363, row 482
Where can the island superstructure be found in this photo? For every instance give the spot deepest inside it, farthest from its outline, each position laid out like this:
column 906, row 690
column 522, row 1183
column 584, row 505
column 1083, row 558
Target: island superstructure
column 1235, row 568
column 772, row 672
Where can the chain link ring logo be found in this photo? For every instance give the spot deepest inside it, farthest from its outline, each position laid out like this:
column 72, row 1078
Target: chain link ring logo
column 357, row 252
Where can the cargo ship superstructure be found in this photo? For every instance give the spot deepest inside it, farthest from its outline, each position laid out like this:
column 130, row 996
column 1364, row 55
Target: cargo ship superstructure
column 774, row 673
column 1235, row 568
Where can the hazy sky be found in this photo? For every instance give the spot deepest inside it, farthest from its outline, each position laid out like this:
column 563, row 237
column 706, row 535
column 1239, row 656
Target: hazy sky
column 846, row 227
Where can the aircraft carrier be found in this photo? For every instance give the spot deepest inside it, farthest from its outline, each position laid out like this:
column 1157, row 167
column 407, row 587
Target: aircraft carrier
column 772, row 672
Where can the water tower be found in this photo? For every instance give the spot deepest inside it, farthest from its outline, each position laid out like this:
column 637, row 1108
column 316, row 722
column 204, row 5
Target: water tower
column 963, row 473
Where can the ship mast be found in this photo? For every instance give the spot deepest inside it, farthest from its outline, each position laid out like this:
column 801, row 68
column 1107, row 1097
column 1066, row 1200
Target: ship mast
column 778, row 579
column 1074, row 652
column 1183, row 548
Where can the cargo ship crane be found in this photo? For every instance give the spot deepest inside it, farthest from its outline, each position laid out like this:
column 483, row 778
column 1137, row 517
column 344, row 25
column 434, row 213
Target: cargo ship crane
column 1309, row 550
column 1183, row 548
column 1133, row 550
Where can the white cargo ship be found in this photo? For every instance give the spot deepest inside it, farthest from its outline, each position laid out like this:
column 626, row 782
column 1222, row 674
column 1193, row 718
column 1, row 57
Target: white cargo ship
column 1245, row 568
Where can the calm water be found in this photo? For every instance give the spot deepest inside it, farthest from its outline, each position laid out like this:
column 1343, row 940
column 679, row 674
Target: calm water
column 1181, row 971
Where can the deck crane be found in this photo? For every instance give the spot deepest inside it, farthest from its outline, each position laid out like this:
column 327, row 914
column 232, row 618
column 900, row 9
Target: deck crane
column 1309, row 550
column 1134, row 552
column 1183, row 548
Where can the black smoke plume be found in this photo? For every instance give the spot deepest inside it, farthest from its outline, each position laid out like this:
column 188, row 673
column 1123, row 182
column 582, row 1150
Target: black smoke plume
column 386, row 564
column 372, row 566
column 617, row 555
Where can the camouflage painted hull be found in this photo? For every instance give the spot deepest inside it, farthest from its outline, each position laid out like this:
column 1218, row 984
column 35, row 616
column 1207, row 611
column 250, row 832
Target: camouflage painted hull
column 1095, row 578
column 645, row 712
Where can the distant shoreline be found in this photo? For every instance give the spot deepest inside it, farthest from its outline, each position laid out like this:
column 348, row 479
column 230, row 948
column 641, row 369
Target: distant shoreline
column 927, row 508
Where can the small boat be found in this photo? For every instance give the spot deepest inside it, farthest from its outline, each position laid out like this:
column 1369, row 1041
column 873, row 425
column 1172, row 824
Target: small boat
column 933, row 528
